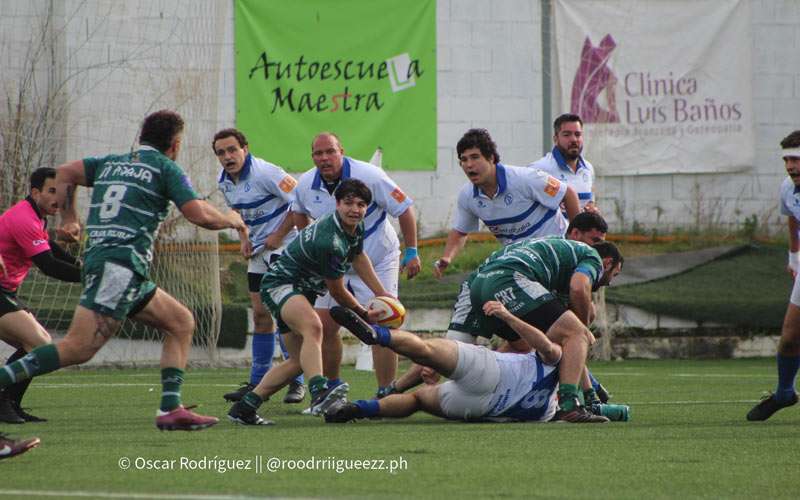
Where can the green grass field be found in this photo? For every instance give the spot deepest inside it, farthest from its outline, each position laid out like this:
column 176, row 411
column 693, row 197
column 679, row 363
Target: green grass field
column 687, row 439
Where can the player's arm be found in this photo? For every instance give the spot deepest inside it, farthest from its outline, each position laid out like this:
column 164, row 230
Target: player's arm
column 408, row 226
column 2, row 267
column 203, row 214
column 275, row 239
column 68, row 177
column 346, row 299
column 300, row 220
column 57, row 268
column 580, row 297
column 363, row 268
column 455, row 242
column 794, row 246
column 548, row 351
column 572, row 203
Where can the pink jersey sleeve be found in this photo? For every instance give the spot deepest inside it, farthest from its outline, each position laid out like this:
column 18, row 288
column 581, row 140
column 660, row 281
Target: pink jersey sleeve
column 28, row 231
column 23, row 236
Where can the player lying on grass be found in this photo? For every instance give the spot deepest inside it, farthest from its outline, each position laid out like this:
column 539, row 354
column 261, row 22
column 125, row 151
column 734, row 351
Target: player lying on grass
column 483, row 385
column 23, row 242
column 314, row 262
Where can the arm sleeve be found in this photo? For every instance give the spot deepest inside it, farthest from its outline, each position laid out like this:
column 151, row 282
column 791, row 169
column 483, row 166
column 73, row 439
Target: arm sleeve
column 90, row 166
column 784, row 208
column 282, row 185
column 178, row 186
column 55, row 268
column 547, row 189
column 387, row 194
column 61, row 254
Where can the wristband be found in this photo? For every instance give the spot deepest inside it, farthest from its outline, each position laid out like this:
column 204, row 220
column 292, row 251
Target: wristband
column 410, row 254
column 794, row 260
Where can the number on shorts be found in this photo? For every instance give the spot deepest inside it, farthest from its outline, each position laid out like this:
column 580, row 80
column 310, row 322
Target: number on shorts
column 112, row 201
column 536, row 399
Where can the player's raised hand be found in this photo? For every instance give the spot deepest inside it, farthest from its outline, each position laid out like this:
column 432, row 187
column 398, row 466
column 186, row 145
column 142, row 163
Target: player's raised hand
column 592, row 208
column 496, row 309
column 411, row 262
column 69, row 232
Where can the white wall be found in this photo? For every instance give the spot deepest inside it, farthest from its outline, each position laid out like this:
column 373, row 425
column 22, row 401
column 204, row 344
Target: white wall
column 170, row 53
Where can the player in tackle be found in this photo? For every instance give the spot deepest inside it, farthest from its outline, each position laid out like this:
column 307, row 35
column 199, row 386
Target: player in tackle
column 131, row 197
column 314, row 262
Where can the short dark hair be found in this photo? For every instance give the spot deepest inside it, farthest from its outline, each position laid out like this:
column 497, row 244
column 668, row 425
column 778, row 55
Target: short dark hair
column 40, row 175
column 160, row 128
column 586, row 221
column 565, row 118
column 608, row 249
column 353, row 188
column 792, row 140
column 478, row 138
column 229, row 132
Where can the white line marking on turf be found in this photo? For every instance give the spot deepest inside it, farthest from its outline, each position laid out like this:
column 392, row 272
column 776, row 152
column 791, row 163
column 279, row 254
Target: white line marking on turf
column 108, row 494
column 667, row 403
column 121, row 384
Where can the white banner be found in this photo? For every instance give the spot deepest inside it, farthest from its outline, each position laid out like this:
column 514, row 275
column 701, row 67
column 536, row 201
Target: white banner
column 662, row 86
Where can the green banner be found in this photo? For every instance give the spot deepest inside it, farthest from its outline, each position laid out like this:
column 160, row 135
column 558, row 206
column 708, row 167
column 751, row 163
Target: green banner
column 363, row 69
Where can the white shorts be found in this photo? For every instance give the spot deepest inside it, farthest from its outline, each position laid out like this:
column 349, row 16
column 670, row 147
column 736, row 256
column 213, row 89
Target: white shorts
column 464, row 337
column 388, row 275
column 259, row 263
column 469, row 392
column 795, row 297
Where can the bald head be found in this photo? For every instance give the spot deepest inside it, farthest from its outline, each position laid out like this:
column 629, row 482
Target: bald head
column 327, row 154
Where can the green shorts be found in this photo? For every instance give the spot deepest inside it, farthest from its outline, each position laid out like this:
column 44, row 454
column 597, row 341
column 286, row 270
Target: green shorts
column 113, row 289
column 9, row 302
column 519, row 294
column 275, row 296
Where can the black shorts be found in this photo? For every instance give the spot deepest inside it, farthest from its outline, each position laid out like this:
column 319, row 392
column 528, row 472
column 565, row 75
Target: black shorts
column 9, row 302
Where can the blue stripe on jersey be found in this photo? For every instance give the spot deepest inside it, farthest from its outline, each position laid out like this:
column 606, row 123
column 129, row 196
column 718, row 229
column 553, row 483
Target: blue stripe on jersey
column 539, row 367
column 549, row 215
column 510, row 220
column 254, row 204
column 585, row 196
column 371, row 209
column 375, row 226
column 268, row 217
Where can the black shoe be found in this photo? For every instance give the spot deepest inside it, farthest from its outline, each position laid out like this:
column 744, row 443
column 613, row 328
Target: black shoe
column 326, row 398
column 341, row 412
column 8, row 412
column 244, row 414
column 579, row 415
column 353, row 322
column 602, row 394
column 768, row 406
column 239, row 393
column 296, row 393
column 27, row 416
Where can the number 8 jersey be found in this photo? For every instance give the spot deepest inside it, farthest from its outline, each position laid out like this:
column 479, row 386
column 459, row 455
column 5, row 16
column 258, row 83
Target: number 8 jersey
column 130, row 199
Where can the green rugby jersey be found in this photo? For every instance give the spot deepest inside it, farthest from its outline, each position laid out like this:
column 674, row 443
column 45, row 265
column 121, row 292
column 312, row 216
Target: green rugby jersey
column 323, row 250
column 130, row 199
column 550, row 261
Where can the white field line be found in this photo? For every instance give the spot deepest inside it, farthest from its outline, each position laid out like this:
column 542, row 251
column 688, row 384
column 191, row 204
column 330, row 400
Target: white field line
column 109, row 494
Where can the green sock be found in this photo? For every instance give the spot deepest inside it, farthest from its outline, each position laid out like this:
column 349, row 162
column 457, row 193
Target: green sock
column 171, row 380
column 590, row 396
column 568, row 396
column 317, row 384
column 39, row 361
column 252, row 399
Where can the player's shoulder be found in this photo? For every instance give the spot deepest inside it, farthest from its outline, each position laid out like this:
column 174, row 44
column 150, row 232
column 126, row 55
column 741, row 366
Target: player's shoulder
column 787, row 185
column 18, row 211
column 306, row 179
column 587, row 164
column 546, row 162
column 365, row 172
column 263, row 168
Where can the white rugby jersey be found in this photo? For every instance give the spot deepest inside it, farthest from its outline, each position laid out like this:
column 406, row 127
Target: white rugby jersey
column 380, row 239
column 263, row 196
column 527, row 390
column 526, row 206
column 581, row 180
column 790, row 199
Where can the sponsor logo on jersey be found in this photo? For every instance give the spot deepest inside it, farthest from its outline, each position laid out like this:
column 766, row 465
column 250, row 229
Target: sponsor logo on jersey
column 552, row 186
column 287, row 184
column 398, row 195
column 36, row 243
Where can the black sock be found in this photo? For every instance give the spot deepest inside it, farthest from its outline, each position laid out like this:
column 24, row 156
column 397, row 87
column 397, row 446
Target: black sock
column 14, row 392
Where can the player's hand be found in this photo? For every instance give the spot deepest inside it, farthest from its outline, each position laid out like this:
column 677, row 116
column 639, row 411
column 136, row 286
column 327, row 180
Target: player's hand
column 69, row 232
column 2, row 268
column 246, row 248
column 592, row 208
column 273, row 242
column 496, row 309
column 410, row 263
column 235, row 221
column 373, row 316
column 439, row 266
column 429, row 375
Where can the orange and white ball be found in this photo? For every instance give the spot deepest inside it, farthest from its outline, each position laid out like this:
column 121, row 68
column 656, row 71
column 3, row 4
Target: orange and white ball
column 392, row 311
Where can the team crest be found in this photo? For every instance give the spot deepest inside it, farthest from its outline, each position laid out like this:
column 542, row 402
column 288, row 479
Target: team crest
column 508, row 199
column 287, row 184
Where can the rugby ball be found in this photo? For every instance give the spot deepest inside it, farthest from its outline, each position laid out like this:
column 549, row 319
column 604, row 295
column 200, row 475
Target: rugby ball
column 392, row 311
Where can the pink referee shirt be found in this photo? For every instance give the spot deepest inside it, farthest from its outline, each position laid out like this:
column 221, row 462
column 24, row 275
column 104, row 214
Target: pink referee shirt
column 22, row 235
